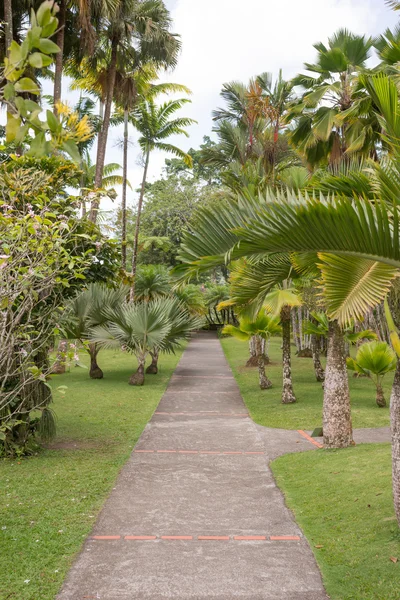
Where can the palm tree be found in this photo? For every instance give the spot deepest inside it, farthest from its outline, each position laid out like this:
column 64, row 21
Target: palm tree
column 135, row 28
column 334, row 115
column 108, row 183
column 132, row 88
column 152, row 282
column 375, row 360
column 182, row 323
column 250, row 131
column 260, row 328
column 155, row 126
column 316, row 327
column 8, row 24
column 145, row 327
column 280, row 301
column 85, row 311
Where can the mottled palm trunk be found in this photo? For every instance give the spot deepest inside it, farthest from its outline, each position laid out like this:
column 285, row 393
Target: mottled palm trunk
column 253, row 360
column 152, row 369
column 103, row 135
column 137, row 228
column 8, row 24
column 380, row 396
column 59, row 56
column 288, row 396
column 264, row 381
column 124, row 186
column 95, row 372
column 337, row 428
column 315, row 349
column 395, row 426
column 138, row 377
column 59, row 365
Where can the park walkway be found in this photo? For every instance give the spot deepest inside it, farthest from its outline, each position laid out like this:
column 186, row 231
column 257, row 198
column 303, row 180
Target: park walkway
column 195, row 513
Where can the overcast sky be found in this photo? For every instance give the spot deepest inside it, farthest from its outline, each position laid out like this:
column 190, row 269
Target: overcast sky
column 225, row 40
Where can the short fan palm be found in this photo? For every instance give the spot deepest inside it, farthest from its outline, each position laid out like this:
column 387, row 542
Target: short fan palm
column 144, row 328
column 261, row 328
column 374, row 359
column 87, row 310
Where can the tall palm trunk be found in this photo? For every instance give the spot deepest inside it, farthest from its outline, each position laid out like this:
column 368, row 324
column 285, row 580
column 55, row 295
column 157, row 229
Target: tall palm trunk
column 59, row 56
column 8, row 24
column 337, row 427
column 103, row 135
column 288, row 396
column 124, row 186
column 395, row 426
column 95, row 371
column 263, row 379
column 137, row 228
column 315, row 349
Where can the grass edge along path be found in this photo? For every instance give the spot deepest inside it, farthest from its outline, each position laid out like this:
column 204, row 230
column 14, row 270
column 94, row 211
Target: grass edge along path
column 343, row 502
column 49, row 502
column 265, row 406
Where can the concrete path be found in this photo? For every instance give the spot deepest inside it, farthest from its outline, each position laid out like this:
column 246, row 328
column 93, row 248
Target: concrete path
column 195, row 513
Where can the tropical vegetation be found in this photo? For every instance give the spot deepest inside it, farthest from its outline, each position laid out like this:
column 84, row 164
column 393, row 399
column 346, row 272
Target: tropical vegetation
column 284, row 222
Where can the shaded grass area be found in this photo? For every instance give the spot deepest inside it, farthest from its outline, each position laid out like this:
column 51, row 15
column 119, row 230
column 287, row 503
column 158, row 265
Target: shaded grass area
column 343, row 502
column 49, row 502
column 265, row 406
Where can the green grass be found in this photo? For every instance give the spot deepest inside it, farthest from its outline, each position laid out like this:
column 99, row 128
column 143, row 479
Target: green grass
column 49, row 502
column 265, row 406
column 343, row 502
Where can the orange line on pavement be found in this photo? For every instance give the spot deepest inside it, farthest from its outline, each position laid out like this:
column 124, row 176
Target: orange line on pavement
column 309, row 438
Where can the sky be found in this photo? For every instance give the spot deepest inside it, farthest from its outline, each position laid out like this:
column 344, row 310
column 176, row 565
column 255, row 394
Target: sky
column 226, row 40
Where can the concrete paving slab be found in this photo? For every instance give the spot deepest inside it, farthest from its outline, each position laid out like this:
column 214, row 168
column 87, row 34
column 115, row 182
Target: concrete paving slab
column 194, row 475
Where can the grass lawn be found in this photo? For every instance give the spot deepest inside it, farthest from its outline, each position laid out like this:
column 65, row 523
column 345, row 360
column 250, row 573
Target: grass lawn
column 266, row 408
column 343, row 502
column 49, row 502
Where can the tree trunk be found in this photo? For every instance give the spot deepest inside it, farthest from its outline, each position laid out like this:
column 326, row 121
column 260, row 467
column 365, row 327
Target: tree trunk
column 95, row 371
column 152, row 369
column 288, row 396
column 253, row 360
column 137, row 228
column 315, row 349
column 380, row 398
column 395, row 426
column 58, row 367
column 265, row 382
column 295, row 329
column 59, row 56
column 337, row 427
column 124, row 186
column 102, row 139
column 8, row 24
column 138, row 377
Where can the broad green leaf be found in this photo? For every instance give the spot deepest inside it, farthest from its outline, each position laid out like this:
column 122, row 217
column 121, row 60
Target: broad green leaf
column 49, row 29
column 9, row 91
column 26, row 84
column 44, row 11
column 52, row 121
column 72, row 149
column 36, row 60
column 48, row 47
column 12, row 127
